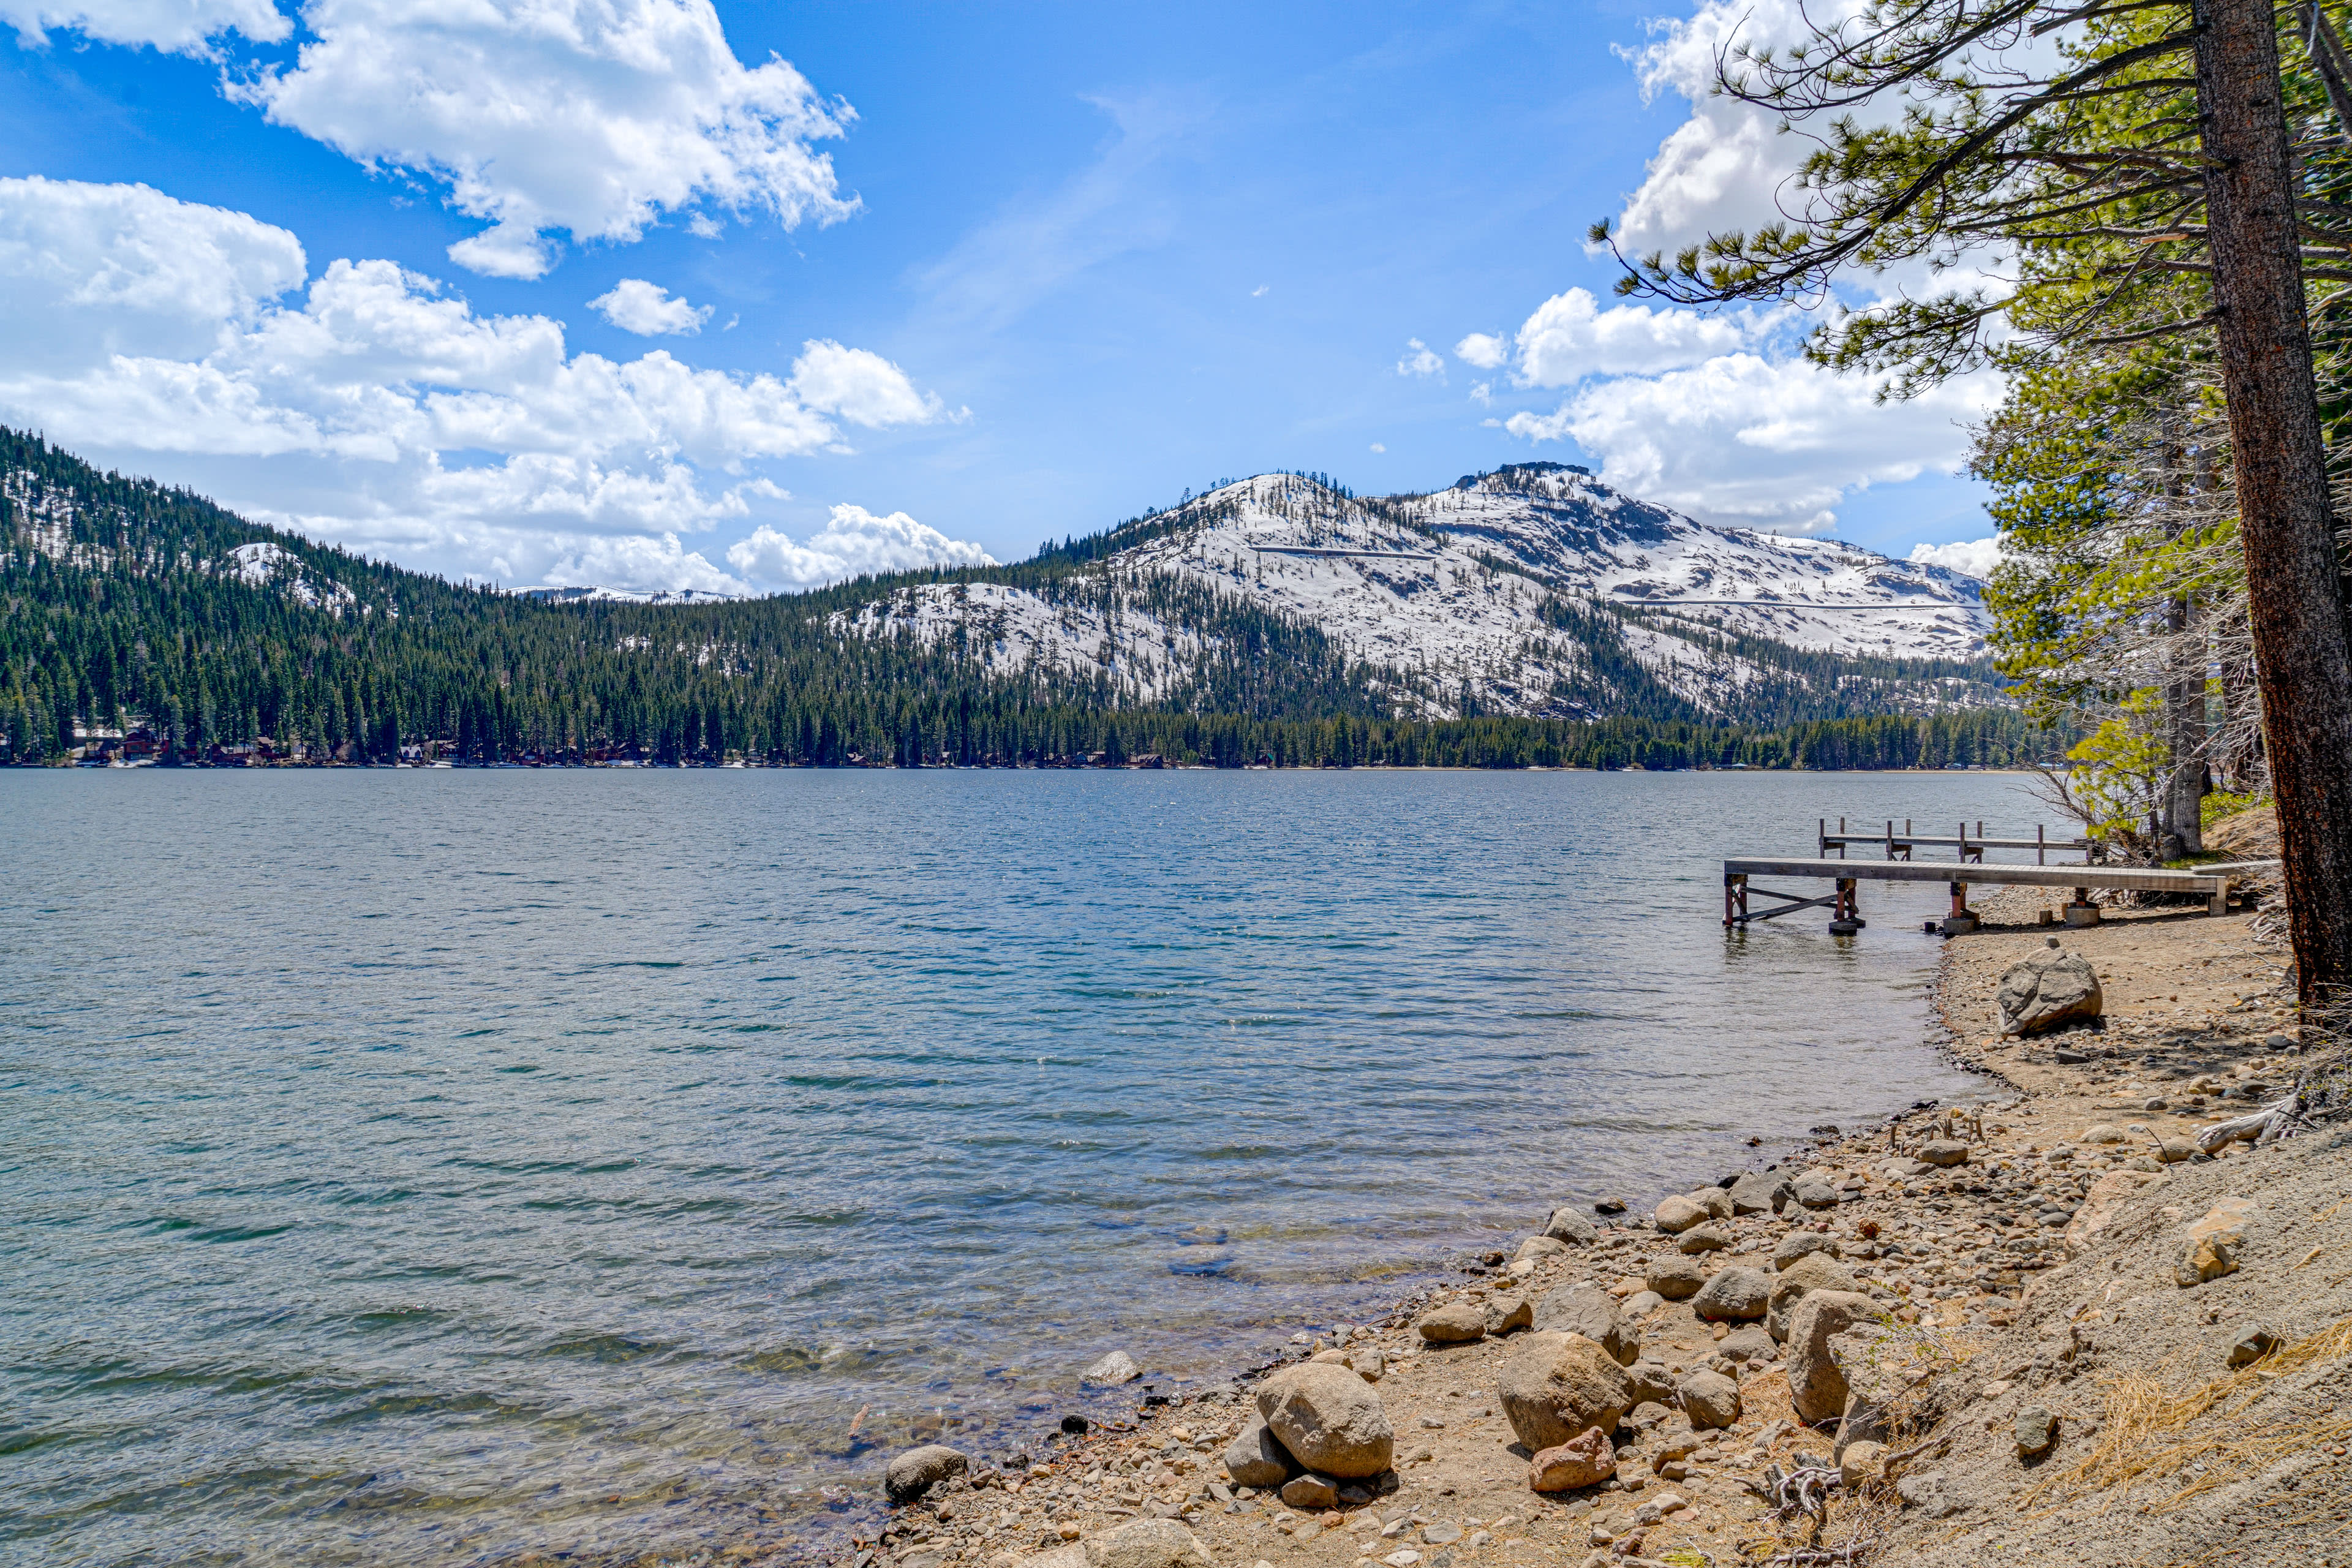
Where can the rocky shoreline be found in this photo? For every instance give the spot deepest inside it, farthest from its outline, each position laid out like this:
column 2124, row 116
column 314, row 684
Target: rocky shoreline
column 1786, row 1365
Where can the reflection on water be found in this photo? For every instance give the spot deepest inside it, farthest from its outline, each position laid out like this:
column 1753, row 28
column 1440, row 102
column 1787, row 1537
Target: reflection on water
column 428, row 1166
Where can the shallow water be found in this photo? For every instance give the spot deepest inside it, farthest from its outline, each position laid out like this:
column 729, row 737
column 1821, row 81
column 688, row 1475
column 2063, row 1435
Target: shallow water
column 407, row 1167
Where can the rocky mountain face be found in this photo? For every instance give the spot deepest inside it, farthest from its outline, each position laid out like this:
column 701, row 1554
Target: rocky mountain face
column 1535, row 590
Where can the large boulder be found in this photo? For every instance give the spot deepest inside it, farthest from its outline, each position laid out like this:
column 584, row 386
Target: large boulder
column 1329, row 1419
column 1590, row 1311
column 1674, row 1277
column 1761, row 1192
column 1555, row 1385
column 1710, row 1399
column 2047, row 990
column 1540, row 1246
column 1734, row 1295
column 1814, row 1271
column 1702, row 1238
column 1714, row 1200
column 1817, row 1385
column 1147, row 1543
column 1571, row 1227
column 1678, row 1213
column 1256, row 1458
column 918, row 1470
column 1876, row 1378
column 1586, row 1460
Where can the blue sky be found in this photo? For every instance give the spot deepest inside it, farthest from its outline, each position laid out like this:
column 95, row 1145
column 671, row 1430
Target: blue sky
column 601, row 292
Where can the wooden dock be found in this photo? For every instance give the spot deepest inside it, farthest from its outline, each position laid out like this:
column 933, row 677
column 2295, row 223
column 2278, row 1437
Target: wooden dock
column 1845, row 915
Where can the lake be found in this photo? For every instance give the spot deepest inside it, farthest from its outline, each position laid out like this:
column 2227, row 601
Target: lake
column 430, row 1166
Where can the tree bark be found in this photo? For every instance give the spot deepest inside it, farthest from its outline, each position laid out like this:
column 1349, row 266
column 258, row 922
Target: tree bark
column 2302, row 652
column 2184, row 732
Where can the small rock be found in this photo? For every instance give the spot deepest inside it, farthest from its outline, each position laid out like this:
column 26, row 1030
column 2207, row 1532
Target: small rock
column 1677, row 1215
column 2037, row 1430
column 1586, row 1309
column 2207, row 1258
column 1455, row 1322
column 1542, row 1247
column 1555, row 1385
column 1329, row 1419
column 1586, row 1460
column 1659, row 1508
column 1702, row 1238
column 1798, row 1243
column 2251, row 1344
column 1649, row 1383
column 1710, row 1399
column 1716, row 1201
column 1572, row 1229
column 2173, row 1151
column 1733, row 1295
column 1748, row 1344
column 1760, row 1191
column 1945, row 1152
column 1111, row 1371
column 1863, row 1463
column 1444, row 1532
column 918, row 1470
column 1815, row 1194
column 1674, row 1277
column 1507, row 1314
column 2046, row 991
column 2105, row 1133
column 1311, row 1491
column 1641, row 1303
column 1610, row 1205
column 1258, row 1459
column 1815, row 1271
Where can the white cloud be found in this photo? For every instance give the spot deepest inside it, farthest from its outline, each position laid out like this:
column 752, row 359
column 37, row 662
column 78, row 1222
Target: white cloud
column 1483, row 394
column 1741, row 439
column 375, row 409
column 648, row 310
column 1976, row 557
column 1487, row 351
column 861, row 387
column 1378, row 447
column 175, row 26
column 1420, row 359
column 1569, row 337
column 587, row 117
column 855, row 543
column 1259, row 292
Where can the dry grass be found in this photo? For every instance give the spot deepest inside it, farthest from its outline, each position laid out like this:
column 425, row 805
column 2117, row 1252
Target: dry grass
column 2147, row 1432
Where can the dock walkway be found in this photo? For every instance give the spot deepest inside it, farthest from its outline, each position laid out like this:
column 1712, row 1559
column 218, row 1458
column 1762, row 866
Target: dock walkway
column 2211, row 884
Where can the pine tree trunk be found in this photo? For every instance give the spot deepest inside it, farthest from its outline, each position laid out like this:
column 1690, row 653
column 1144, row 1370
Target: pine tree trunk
column 2303, row 657
column 2185, row 728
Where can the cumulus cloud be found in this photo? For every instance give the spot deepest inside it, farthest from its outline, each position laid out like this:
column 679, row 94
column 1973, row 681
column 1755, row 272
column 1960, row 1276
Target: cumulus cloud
column 1976, row 557
column 1569, row 337
column 591, row 118
column 648, row 310
column 1773, row 444
column 386, row 413
column 1486, row 351
column 175, row 26
column 854, row 542
column 1420, row 359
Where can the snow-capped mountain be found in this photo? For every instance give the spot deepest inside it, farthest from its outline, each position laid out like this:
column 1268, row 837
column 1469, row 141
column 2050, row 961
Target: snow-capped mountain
column 629, row 595
column 1536, row 589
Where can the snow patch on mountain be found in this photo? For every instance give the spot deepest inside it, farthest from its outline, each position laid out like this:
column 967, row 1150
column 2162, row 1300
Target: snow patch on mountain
column 1506, row 593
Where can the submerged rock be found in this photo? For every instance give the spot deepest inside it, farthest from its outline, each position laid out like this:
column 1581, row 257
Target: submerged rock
column 1113, row 1369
